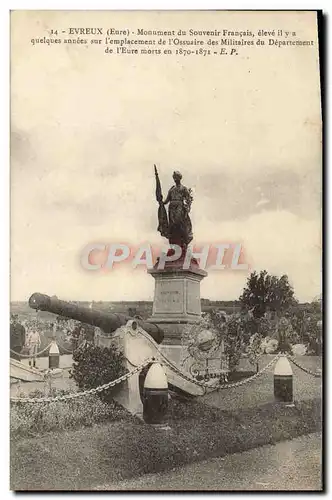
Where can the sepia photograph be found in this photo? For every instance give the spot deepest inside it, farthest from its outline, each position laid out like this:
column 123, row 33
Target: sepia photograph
column 166, row 296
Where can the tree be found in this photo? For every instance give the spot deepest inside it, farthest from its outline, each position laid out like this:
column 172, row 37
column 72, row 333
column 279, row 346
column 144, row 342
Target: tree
column 267, row 293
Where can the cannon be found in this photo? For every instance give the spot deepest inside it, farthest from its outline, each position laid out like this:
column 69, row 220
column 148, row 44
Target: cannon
column 108, row 322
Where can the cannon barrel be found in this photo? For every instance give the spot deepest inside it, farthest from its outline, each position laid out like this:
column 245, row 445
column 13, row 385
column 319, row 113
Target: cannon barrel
column 108, row 322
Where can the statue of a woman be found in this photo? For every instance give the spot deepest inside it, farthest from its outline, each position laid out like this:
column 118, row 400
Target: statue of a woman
column 179, row 224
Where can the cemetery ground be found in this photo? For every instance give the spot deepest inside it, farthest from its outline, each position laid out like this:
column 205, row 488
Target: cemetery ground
column 110, row 446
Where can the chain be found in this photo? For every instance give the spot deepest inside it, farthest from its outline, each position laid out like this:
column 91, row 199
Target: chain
column 172, row 365
column 226, row 386
column 75, row 395
column 182, row 374
column 167, row 361
column 306, row 370
column 220, row 386
column 206, row 385
column 32, row 355
column 249, row 379
column 64, row 349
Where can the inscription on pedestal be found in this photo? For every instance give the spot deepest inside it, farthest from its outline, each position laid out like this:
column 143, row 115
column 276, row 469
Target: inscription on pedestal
column 169, row 297
column 177, row 301
column 193, row 298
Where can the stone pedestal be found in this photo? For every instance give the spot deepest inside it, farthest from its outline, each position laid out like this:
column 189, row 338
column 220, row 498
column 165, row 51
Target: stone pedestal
column 177, row 300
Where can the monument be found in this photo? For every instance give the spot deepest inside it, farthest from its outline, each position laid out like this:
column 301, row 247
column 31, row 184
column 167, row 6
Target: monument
column 177, row 300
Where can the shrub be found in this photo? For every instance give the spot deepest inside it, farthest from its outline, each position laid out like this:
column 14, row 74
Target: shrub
column 285, row 333
column 255, row 349
column 94, row 366
column 235, row 341
column 232, row 330
column 314, row 340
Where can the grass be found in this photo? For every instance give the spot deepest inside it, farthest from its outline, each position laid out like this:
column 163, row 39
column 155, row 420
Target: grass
column 38, row 419
column 108, row 452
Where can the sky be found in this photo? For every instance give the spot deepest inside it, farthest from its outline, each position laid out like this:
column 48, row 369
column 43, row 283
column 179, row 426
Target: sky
column 87, row 127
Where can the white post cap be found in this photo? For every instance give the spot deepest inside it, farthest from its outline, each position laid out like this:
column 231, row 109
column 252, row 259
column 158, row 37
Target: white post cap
column 54, row 348
column 283, row 367
column 156, row 378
